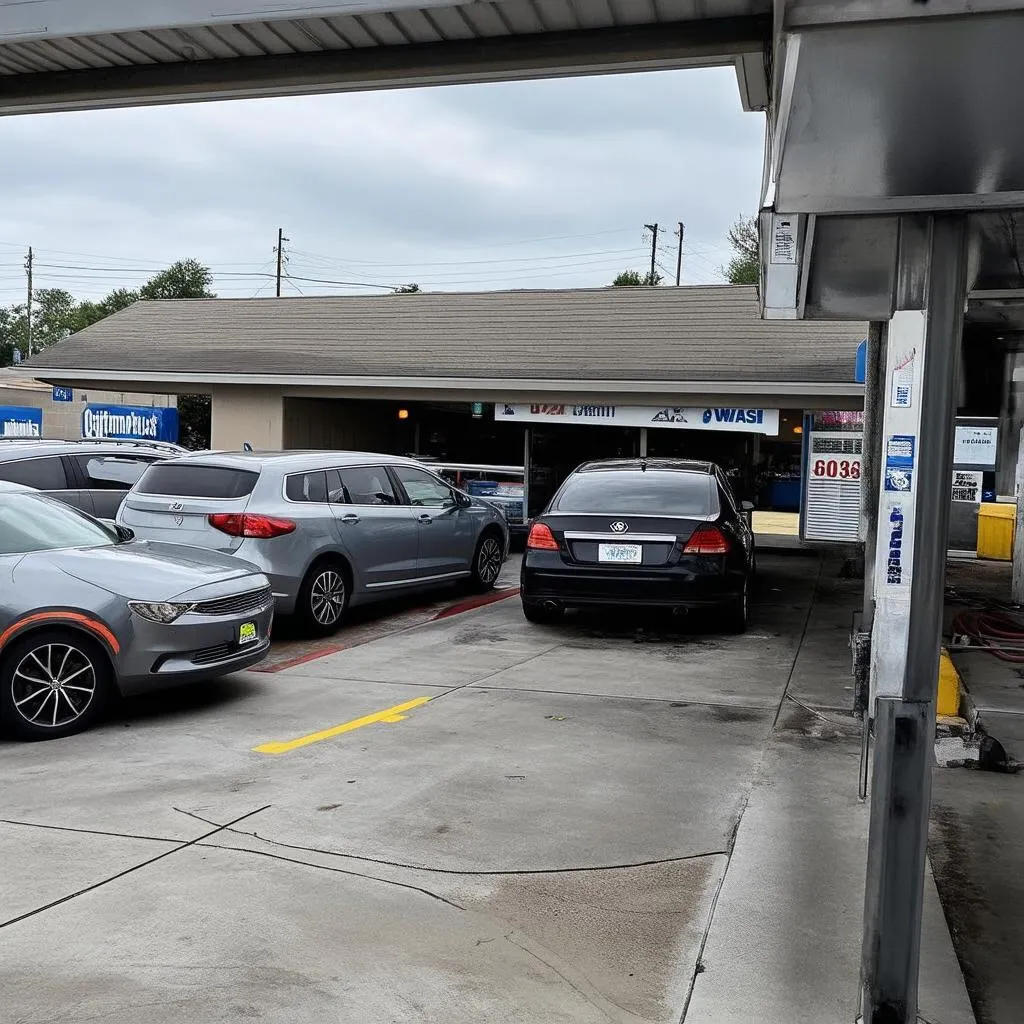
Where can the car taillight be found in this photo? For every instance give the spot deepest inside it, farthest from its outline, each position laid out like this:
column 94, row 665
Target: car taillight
column 541, row 538
column 707, row 540
column 247, row 524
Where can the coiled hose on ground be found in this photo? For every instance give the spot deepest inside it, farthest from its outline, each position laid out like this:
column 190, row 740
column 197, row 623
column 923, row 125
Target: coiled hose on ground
column 1000, row 632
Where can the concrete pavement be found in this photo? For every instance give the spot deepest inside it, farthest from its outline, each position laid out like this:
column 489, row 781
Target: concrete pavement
column 594, row 822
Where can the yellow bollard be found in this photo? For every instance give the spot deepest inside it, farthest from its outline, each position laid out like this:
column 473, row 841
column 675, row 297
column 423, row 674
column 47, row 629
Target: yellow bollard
column 948, row 701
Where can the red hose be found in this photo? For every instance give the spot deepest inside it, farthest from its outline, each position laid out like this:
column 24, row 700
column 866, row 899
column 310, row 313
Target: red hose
column 995, row 630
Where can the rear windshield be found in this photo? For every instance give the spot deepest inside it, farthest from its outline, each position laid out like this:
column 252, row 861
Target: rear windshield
column 191, row 481
column 632, row 492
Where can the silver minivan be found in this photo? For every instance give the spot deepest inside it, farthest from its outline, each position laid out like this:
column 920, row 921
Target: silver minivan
column 330, row 529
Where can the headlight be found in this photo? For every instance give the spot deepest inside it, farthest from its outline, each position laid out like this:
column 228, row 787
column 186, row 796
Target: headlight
column 162, row 611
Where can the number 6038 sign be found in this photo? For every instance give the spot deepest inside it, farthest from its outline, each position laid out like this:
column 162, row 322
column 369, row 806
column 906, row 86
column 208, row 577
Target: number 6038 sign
column 836, row 469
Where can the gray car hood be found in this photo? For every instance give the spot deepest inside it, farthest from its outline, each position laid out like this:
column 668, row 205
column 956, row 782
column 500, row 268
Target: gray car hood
column 141, row 570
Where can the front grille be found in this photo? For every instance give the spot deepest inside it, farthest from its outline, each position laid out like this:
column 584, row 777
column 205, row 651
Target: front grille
column 208, row 655
column 237, row 604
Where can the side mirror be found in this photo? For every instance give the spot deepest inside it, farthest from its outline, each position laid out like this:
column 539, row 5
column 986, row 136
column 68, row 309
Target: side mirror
column 463, row 500
column 747, row 506
column 122, row 533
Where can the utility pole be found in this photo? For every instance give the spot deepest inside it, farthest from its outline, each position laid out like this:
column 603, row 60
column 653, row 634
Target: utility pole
column 653, row 228
column 280, row 257
column 28, row 305
column 679, row 256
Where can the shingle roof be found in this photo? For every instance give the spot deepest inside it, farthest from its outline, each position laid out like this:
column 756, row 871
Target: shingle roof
column 700, row 333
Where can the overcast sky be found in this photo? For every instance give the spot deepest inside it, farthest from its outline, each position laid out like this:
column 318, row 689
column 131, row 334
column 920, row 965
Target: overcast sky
column 533, row 184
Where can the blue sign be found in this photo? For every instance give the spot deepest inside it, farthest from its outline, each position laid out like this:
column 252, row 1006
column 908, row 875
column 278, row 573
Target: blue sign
column 899, row 451
column 860, row 366
column 894, row 563
column 63, row 394
column 17, row 421
column 130, row 422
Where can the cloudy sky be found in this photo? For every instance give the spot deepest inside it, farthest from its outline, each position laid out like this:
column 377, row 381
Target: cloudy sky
column 534, row 184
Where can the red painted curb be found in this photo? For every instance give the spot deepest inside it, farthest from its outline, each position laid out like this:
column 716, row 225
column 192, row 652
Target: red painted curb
column 476, row 602
column 302, row 659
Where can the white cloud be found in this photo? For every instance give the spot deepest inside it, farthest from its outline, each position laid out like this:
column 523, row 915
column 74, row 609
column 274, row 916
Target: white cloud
column 430, row 185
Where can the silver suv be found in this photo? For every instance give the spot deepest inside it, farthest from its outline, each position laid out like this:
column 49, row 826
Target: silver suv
column 330, row 529
column 93, row 476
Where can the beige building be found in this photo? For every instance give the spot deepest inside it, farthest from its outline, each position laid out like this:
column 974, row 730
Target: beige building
column 63, row 420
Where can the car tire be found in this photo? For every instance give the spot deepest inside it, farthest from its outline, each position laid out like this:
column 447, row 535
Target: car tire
column 487, row 562
column 323, row 598
column 541, row 616
column 53, row 683
column 738, row 611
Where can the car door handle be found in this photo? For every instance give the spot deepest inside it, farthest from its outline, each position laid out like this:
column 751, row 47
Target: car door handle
column 350, row 518
column 426, row 518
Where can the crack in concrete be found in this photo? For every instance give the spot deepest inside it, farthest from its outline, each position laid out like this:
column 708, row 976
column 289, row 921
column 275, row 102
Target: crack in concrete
column 127, row 871
column 455, row 871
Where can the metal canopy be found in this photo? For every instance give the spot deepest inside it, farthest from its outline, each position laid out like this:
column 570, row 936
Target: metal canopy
column 64, row 54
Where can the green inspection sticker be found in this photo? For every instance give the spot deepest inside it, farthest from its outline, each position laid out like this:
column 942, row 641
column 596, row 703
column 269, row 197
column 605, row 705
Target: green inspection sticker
column 247, row 633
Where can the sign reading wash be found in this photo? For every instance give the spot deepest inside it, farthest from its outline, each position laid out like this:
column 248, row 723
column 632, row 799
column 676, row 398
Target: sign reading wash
column 749, row 421
column 128, row 422
column 16, row 421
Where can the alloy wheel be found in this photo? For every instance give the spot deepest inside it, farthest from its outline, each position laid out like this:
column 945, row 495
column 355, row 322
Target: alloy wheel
column 488, row 563
column 53, row 685
column 327, row 597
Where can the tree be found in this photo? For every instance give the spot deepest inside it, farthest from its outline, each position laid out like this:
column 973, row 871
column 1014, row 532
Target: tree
column 633, row 278
column 745, row 266
column 56, row 314
column 407, row 289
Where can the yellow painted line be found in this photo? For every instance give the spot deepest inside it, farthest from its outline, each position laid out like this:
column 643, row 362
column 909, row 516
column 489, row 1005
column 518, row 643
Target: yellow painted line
column 387, row 715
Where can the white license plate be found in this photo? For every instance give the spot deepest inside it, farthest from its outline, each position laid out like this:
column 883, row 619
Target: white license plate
column 629, row 554
column 247, row 633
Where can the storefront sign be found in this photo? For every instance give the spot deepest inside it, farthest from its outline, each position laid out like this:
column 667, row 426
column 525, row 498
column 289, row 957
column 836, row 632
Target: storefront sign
column 750, row 421
column 142, row 423
column 17, row 421
column 975, row 446
column 967, row 485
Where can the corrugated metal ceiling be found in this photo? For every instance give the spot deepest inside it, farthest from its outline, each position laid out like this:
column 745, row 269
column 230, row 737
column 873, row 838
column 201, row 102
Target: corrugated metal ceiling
column 403, row 26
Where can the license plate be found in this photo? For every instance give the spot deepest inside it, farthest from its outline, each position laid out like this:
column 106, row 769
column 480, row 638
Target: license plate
column 630, row 554
column 247, row 633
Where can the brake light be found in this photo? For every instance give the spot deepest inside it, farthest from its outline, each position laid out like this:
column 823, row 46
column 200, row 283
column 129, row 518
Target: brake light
column 541, row 538
column 247, row 524
column 707, row 540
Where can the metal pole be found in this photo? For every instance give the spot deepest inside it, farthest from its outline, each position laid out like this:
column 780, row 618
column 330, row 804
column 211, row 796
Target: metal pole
column 1017, row 590
column 905, row 710
column 679, row 256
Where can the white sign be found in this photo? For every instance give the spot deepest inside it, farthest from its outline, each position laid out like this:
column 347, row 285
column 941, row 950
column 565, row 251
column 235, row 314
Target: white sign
column 783, row 240
column 967, row 485
column 975, row 446
column 736, row 420
column 903, row 380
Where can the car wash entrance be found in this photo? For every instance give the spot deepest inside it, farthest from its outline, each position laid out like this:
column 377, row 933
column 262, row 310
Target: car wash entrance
column 561, row 436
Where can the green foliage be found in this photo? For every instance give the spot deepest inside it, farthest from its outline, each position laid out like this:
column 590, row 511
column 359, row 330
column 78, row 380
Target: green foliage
column 633, row 278
column 745, row 266
column 56, row 314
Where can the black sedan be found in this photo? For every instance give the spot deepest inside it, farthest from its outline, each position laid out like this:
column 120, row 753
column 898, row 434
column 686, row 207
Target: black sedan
column 646, row 532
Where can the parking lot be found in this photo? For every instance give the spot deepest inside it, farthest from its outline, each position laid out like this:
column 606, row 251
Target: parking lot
column 449, row 814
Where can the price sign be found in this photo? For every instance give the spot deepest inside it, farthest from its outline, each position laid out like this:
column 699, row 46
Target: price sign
column 836, row 469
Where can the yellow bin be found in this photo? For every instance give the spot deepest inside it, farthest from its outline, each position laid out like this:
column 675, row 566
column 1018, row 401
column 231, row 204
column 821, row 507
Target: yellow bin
column 995, row 530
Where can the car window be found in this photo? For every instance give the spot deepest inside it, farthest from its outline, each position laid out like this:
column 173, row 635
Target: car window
column 45, row 474
column 33, row 522
column 112, row 472
column 188, row 480
column 362, row 485
column 634, row 492
column 306, row 486
column 423, row 489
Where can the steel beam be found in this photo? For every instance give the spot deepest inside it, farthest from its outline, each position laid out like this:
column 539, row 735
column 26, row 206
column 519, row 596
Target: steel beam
column 913, row 527
column 700, row 43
